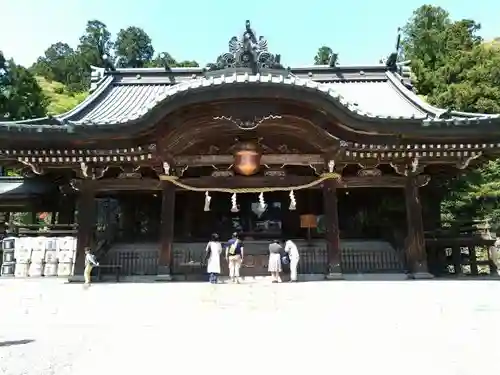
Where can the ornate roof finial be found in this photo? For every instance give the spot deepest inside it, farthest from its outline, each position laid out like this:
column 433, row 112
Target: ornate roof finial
column 247, row 52
column 392, row 60
column 398, row 40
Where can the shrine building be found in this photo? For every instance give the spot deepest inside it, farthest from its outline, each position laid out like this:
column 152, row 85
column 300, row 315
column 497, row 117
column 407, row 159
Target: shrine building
column 340, row 159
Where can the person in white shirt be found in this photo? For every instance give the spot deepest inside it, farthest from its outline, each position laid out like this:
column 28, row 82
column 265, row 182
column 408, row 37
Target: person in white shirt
column 90, row 262
column 495, row 253
column 213, row 252
column 293, row 253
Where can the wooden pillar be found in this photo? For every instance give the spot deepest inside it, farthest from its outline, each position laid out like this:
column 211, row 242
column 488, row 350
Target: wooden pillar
column 188, row 215
column 166, row 230
column 130, row 226
column 332, row 229
column 66, row 209
column 86, row 218
column 415, row 242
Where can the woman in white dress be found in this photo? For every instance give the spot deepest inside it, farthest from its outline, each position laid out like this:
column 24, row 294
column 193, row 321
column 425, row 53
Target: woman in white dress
column 212, row 253
column 274, row 266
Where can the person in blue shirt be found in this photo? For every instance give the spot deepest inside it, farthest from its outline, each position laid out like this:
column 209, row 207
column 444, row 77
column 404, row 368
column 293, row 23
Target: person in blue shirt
column 234, row 257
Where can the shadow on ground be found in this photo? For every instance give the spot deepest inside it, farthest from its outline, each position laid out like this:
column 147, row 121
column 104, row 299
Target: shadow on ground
column 15, row 342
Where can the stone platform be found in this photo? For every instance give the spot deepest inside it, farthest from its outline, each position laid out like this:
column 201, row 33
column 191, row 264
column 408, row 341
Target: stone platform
column 412, row 327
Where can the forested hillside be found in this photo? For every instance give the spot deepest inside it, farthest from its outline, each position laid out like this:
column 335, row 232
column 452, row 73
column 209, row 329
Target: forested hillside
column 452, row 68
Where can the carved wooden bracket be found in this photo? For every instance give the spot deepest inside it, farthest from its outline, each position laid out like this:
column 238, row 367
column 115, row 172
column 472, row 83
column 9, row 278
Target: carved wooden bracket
column 34, row 167
column 369, row 163
column 222, row 174
column 75, row 184
column 90, row 171
column 465, row 161
column 411, row 168
column 339, row 167
column 275, row 173
column 179, row 171
column 369, row 172
column 423, row 180
column 318, row 168
column 333, row 154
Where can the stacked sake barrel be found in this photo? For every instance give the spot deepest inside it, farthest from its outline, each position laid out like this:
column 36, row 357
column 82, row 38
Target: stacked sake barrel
column 66, row 255
column 9, row 259
column 50, row 263
column 22, row 253
column 38, row 256
column 37, row 259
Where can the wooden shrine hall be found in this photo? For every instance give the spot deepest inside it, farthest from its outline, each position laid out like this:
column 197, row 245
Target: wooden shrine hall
column 341, row 159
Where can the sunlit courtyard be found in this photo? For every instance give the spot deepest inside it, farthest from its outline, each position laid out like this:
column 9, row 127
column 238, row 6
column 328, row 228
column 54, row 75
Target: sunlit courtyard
column 428, row 327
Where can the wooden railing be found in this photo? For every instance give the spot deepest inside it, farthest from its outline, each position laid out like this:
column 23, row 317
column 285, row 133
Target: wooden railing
column 187, row 260
column 371, row 261
column 134, row 263
column 460, row 248
column 49, row 230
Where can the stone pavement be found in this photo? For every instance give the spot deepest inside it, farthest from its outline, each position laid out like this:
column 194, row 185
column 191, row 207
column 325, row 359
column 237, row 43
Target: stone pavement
column 341, row 327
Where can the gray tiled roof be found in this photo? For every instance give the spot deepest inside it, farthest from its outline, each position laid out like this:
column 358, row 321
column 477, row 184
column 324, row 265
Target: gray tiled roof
column 367, row 92
column 379, row 98
column 122, row 102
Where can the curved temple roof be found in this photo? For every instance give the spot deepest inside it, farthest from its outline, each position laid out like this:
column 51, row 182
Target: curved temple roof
column 366, row 93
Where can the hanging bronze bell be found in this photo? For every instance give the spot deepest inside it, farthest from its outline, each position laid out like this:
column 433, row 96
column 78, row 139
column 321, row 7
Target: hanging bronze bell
column 247, row 159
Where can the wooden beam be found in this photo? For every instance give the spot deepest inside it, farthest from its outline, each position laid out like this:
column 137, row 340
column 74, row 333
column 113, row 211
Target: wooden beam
column 150, row 184
column 206, row 160
column 115, row 184
column 293, row 159
column 379, row 181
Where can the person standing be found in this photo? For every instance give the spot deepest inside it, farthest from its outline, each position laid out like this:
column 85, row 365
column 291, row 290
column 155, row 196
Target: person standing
column 213, row 252
column 494, row 252
column 90, row 262
column 294, row 256
column 274, row 265
column 234, row 257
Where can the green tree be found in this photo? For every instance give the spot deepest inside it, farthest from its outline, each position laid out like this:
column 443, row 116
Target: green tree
column 470, row 82
column 187, row 64
column 62, row 64
column 4, row 83
column 323, row 56
column 133, row 48
column 21, row 97
column 95, row 43
column 433, row 43
column 158, row 62
column 454, row 69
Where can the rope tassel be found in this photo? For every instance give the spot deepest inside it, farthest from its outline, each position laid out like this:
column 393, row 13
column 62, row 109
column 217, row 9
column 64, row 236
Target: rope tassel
column 208, row 198
column 234, row 203
column 293, row 202
column 262, row 202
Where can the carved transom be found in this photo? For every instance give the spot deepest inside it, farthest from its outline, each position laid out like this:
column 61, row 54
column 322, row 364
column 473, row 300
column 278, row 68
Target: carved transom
column 230, row 149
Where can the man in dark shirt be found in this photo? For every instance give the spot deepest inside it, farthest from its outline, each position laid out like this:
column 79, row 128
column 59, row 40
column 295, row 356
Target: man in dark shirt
column 234, row 257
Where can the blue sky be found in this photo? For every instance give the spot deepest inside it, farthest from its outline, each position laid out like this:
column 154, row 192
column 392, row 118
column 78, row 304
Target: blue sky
column 361, row 31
